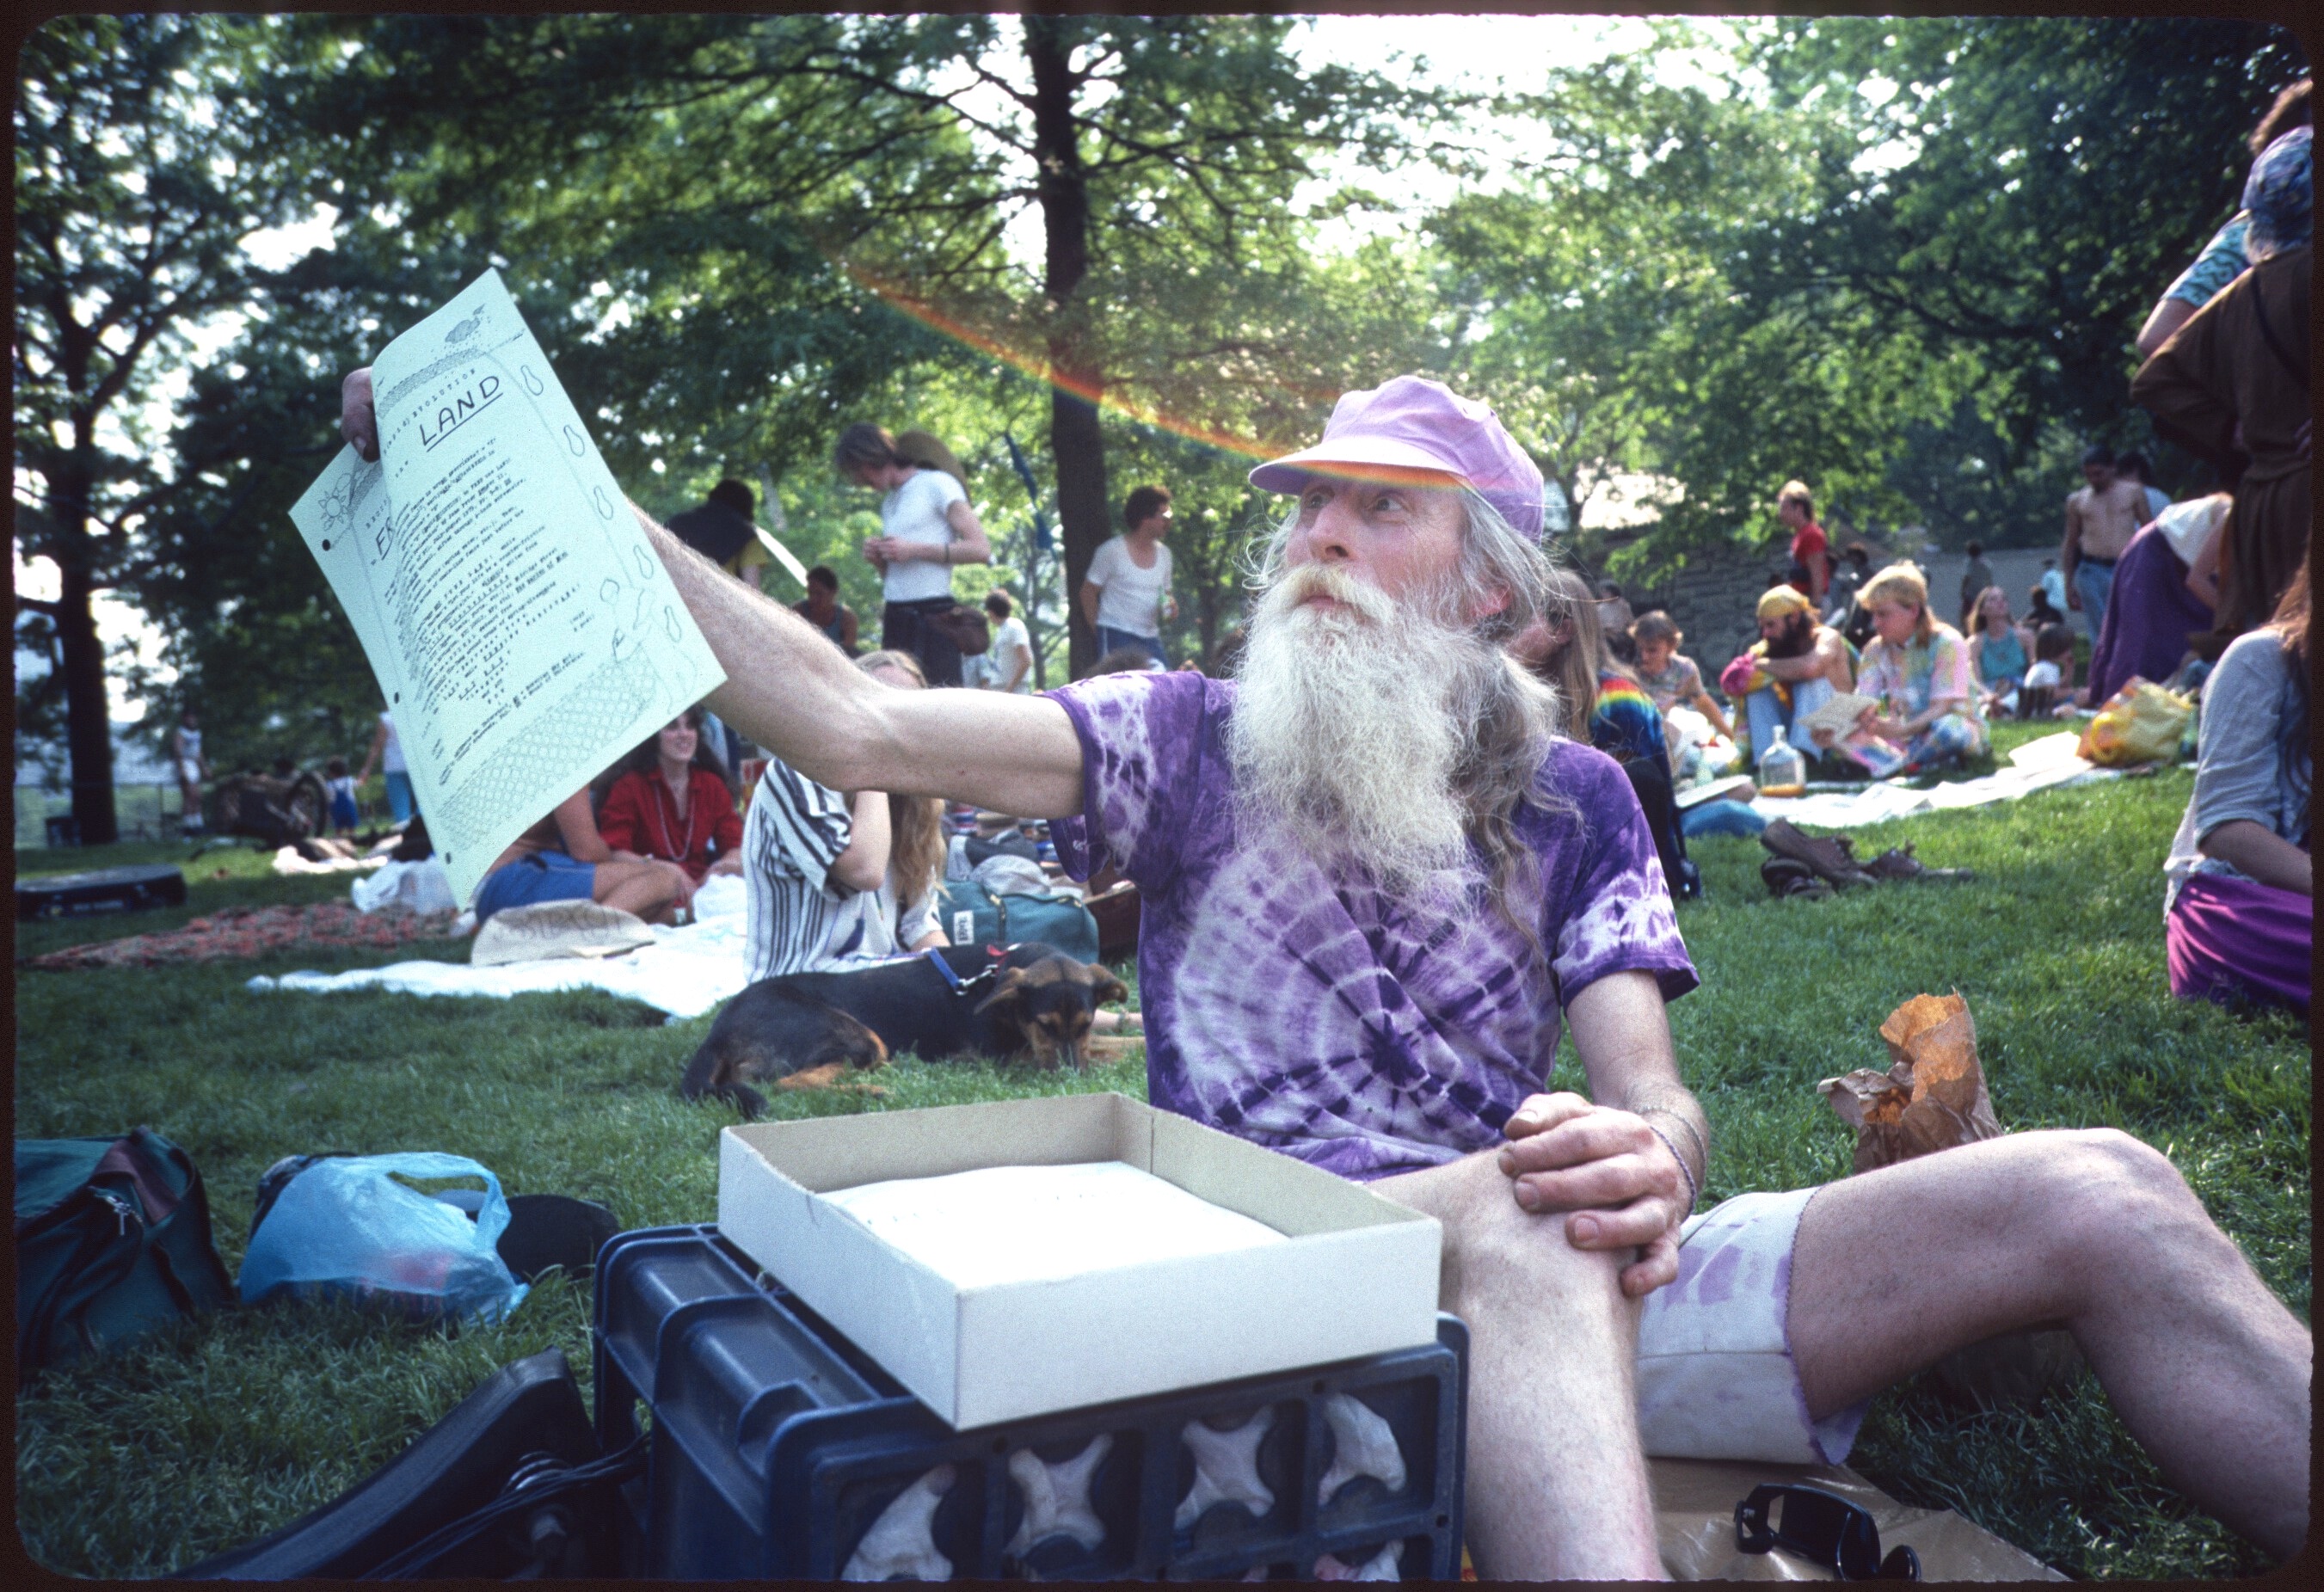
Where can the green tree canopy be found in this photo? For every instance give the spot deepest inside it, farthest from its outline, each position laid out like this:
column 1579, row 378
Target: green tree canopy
column 147, row 150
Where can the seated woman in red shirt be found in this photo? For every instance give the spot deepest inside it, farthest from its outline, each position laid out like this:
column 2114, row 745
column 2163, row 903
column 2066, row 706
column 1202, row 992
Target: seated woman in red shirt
column 673, row 802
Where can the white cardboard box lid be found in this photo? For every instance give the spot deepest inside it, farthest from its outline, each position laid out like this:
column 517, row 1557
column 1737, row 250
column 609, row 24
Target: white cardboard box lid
column 1359, row 1276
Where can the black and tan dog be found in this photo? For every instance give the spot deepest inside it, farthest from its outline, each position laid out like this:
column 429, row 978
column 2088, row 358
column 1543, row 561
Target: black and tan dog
column 810, row 1030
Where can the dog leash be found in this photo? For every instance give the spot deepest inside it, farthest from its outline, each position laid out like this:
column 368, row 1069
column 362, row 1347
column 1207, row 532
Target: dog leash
column 958, row 985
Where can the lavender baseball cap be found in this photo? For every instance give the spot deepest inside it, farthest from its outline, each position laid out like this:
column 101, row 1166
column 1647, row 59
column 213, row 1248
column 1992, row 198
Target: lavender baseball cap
column 1413, row 428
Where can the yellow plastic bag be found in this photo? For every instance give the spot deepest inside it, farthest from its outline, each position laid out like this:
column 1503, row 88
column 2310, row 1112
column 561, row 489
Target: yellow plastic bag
column 2140, row 723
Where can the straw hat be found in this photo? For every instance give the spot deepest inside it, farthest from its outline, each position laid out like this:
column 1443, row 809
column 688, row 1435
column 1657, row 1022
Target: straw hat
column 556, row 929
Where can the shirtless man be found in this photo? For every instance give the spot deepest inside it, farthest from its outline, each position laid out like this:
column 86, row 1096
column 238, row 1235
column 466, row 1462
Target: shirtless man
column 1794, row 668
column 2100, row 520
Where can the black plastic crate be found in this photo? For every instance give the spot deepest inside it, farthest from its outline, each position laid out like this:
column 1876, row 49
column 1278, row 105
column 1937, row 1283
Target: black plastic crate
column 779, row 1447
column 108, row 889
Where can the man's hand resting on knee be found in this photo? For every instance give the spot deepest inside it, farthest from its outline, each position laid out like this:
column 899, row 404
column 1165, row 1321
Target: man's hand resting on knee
column 1615, row 1168
column 1621, row 1186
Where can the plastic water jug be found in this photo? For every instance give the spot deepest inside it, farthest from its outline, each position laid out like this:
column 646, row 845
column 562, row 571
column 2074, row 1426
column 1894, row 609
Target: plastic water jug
column 1782, row 771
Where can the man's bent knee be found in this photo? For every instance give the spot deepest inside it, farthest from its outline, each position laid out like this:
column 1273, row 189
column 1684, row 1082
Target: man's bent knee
column 1494, row 1249
column 2101, row 1184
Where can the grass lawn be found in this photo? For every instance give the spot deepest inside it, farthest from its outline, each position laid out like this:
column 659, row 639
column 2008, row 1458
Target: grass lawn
column 225, row 1429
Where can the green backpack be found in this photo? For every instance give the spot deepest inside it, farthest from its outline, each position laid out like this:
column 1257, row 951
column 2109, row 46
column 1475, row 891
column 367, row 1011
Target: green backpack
column 970, row 915
column 112, row 1239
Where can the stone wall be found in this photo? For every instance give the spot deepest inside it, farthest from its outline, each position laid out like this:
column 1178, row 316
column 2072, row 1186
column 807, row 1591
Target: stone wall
column 1713, row 598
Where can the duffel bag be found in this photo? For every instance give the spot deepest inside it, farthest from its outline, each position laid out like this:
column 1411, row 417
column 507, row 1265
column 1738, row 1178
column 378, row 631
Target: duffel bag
column 970, row 915
column 112, row 1239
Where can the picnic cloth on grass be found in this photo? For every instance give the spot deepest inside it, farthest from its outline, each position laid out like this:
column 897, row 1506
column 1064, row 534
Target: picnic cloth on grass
column 288, row 862
column 684, row 972
column 235, row 932
column 2038, row 765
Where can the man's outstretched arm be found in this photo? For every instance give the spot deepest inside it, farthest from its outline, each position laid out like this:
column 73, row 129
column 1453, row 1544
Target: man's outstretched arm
column 789, row 689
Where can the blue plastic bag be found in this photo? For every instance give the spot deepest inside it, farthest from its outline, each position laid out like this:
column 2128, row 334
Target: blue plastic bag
column 344, row 1226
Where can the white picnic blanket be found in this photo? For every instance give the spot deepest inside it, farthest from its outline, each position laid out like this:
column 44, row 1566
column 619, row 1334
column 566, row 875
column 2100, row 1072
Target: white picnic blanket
column 2038, row 765
column 288, row 862
column 684, row 972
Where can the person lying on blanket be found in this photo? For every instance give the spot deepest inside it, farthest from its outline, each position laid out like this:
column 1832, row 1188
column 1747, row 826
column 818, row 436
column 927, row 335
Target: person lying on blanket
column 1373, row 894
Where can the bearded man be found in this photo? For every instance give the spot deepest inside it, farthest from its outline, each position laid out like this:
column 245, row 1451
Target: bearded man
column 1376, row 883
column 1792, row 670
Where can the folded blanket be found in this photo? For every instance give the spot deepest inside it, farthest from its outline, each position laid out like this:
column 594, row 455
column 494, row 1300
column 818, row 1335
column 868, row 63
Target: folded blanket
column 685, row 972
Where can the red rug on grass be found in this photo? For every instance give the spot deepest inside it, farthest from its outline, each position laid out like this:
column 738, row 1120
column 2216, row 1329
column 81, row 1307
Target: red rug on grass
column 235, row 932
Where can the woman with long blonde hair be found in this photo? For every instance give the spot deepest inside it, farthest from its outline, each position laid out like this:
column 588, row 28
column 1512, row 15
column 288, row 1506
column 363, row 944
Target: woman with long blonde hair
column 916, row 843
column 841, row 879
column 2000, row 650
column 1602, row 702
column 1917, row 666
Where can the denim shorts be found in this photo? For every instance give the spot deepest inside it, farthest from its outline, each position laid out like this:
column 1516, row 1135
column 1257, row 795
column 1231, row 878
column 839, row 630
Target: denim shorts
column 533, row 878
column 1110, row 639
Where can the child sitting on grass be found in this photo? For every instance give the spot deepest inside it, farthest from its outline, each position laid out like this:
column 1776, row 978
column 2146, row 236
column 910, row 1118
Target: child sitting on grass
column 342, row 789
column 1669, row 678
column 2048, row 689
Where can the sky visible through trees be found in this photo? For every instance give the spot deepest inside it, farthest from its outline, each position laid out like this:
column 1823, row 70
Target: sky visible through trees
column 1900, row 259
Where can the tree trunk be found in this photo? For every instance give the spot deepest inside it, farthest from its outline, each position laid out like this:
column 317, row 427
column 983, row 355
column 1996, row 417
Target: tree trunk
column 1075, row 442
column 88, row 726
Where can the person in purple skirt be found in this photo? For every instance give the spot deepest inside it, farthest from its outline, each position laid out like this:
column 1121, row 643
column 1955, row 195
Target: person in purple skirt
column 2240, row 919
column 2154, row 613
column 1379, row 886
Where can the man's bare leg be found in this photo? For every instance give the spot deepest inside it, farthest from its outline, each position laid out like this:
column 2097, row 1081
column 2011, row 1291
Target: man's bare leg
column 1556, row 1483
column 1894, row 1269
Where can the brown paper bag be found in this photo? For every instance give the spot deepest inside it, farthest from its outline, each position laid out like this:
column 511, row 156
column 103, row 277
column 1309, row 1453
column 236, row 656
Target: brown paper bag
column 1694, row 1527
column 1933, row 1098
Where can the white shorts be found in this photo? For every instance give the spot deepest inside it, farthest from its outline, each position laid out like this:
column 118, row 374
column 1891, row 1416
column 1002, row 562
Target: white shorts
column 1716, row 1379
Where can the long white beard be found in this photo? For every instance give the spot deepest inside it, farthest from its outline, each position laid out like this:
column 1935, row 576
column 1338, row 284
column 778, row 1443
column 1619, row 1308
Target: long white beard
column 1349, row 725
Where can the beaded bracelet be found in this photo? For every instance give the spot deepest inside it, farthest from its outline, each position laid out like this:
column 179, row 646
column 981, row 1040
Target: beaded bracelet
column 1692, row 1190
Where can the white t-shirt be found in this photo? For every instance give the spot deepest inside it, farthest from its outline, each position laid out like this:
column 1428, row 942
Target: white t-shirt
column 391, row 756
column 2045, row 673
column 999, row 662
column 1129, row 598
column 915, row 512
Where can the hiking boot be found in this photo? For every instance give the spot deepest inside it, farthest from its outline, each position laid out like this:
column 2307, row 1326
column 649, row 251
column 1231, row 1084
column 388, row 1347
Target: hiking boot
column 1785, row 877
column 1900, row 863
column 1830, row 859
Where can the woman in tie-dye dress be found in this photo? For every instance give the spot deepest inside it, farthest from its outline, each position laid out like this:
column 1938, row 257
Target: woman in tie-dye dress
column 1919, row 669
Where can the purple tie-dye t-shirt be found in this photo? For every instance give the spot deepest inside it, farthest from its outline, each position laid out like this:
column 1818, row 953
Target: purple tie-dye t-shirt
column 1319, row 1020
